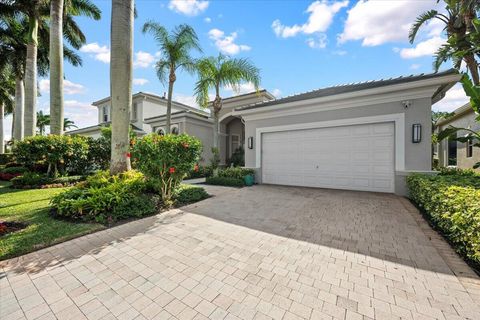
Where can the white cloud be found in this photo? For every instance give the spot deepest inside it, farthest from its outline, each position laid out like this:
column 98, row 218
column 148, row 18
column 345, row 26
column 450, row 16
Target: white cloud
column 320, row 18
column 277, row 93
column 83, row 114
column 190, row 100
column 453, row 99
column 69, row 87
column 246, row 87
column 415, row 66
column 378, row 22
column 226, row 44
column 207, row 19
column 340, row 52
column 143, row 59
column 319, row 42
column 100, row 53
column 140, row 81
column 188, row 7
column 424, row 48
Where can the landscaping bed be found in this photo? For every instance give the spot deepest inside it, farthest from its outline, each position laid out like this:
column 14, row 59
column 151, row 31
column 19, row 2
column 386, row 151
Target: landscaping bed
column 230, row 177
column 450, row 202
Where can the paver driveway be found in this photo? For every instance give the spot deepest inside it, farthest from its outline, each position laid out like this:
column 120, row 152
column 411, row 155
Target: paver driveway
column 255, row 253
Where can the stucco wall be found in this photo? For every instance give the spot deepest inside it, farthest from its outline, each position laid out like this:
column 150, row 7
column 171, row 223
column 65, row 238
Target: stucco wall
column 465, row 121
column 417, row 155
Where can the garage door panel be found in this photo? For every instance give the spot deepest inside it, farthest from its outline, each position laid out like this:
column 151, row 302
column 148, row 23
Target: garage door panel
column 356, row 157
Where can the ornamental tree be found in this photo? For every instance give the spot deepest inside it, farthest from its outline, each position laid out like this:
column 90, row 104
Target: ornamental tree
column 165, row 160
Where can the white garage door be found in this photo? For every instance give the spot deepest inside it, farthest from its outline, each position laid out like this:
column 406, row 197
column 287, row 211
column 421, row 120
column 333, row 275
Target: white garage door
column 356, row 157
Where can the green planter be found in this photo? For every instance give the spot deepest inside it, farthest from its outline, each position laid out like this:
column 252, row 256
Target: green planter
column 249, row 180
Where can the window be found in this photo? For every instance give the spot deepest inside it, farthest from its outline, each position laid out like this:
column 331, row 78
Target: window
column 469, row 147
column 135, row 111
column 106, row 113
column 160, row 131
column 452, row 153
column 174, row 129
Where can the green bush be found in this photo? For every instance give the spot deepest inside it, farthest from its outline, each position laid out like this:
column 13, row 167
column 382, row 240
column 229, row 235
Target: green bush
column 238, row 158
column 32, row 180
column 186, row 193
column 14, row 170
column 235, row 172
column 105, row 198
column 165, row 160
column 59, row 153
column 6, row 158
column 458, row 172
column 225, row 181
column 452, row 204
column 200, row 172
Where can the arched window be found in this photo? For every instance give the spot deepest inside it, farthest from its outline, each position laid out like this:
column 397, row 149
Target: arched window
column 161, row 131
column 174, row 129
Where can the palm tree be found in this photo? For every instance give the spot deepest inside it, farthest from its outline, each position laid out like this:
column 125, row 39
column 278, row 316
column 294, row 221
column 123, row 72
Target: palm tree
column 57, row 12
column 43, row 120
column 7, row 93
column 218, row 72
column 458, row 21
column 37, row 14
column 175, row 50
column 13, row 51
column 67, row 123
column 121, row 70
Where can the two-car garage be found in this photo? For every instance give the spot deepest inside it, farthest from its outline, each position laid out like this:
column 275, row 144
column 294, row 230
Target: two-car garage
column 354, row 157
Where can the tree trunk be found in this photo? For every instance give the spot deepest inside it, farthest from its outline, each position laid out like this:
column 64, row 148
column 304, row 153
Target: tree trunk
column 19, row 108
column 473, row 68
column 56, row 67
column 121, row 69
column 216, row 128
column 2, row 138
column 31, row 80
column 168, row 119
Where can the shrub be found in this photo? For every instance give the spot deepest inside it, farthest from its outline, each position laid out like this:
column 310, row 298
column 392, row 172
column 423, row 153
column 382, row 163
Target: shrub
column 452, row 204
column 235, row 172
column 238, row 158
column 186, row 193
column 15, row 170
column 165, row 160
column 32, row 180
column 458, row 172
column 6, row 158
column 105, row 198
column 201, row 172
column 59, row 153
column 225, row 181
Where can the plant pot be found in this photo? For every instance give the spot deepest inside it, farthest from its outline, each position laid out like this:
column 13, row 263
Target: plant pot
column 249, row 180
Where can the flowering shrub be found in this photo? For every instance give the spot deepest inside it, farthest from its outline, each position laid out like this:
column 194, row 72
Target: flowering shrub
column 165, row 160
column 57, row 152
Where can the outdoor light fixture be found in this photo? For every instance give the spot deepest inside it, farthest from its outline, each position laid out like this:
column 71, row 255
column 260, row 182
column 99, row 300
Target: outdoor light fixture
column 416, row 133
column 250, row 142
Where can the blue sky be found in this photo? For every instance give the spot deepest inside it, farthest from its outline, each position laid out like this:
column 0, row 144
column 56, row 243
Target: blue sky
column 298, row 45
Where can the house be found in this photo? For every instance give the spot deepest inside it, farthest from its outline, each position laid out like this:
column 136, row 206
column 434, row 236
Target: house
column 457, row 154
column 364, row 136
column 149, row 115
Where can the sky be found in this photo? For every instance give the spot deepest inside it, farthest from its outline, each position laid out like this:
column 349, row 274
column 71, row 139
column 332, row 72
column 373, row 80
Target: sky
column 298, row 45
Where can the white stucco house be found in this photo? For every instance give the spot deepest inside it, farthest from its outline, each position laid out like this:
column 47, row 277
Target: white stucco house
column 364, row 136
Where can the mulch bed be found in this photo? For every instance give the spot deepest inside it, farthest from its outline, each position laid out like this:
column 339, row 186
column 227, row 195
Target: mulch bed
column 11, row 226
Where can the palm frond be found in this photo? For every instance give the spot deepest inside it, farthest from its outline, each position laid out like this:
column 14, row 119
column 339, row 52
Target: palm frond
column 421, row 19
column 84, row 8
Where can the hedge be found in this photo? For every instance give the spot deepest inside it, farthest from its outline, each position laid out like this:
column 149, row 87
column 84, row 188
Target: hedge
column 186, row 194
column 452, row 204
column 235, row 172
column 225, row 181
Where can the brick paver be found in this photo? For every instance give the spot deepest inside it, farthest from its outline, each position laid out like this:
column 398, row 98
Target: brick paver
column 255, row 253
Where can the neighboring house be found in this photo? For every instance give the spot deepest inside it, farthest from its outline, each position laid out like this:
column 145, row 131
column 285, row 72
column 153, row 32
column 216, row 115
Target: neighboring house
column 457, row 154
column 354, row 137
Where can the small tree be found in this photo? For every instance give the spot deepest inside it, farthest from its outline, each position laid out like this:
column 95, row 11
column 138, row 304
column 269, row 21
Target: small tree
column 165, row 160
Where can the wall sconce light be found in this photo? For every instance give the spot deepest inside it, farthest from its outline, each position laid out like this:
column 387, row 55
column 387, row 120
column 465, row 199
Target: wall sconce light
column 416, row 133
column 250, row 142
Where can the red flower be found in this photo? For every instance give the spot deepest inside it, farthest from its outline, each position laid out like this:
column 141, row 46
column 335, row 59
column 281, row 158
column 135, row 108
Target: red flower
column 185, row 145
column 171, row 170
column 195, row 168
column 128, row 155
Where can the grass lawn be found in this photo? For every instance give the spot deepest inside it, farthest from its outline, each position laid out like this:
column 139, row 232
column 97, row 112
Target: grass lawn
column 32, row 207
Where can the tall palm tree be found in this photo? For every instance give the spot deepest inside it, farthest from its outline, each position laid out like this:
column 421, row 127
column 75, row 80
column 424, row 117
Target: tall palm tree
column 13, row 50
column 37, row 15
column 175, row 50
column 121, row 70
column 59, row 8
column 458, row 21
column 43, row 120
column 218, row 72
column 7, row 100
column 67, row 123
